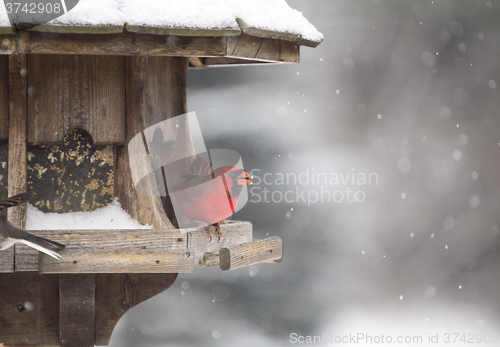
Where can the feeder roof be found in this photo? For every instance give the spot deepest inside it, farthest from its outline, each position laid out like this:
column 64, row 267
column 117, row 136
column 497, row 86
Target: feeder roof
column 272, row 19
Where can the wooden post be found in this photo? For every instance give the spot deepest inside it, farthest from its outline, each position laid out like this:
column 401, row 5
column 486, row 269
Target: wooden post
column 76, row 310
column 4, row 97
column 17, row 181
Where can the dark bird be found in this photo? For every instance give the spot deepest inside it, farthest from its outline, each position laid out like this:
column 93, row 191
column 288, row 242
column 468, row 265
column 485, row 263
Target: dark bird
column 9, row 234
column 211, row 197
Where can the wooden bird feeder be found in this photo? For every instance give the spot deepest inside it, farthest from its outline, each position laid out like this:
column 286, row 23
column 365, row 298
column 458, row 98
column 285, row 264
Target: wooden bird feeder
column 105, row 80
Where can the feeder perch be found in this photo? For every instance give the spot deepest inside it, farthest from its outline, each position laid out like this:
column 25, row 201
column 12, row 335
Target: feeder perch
column 74, row 93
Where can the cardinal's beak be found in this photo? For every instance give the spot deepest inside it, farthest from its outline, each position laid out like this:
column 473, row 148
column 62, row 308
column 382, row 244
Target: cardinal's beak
column 244, row 179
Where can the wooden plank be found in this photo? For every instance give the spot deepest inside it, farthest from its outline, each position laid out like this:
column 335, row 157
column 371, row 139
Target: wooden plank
column 152, row 83
column 255, row 252
column 78, row 241
column 77, row 310
column 17, row 180
column 289, row 52
column 116, row 293
column 227, row 61
column 78, row 29
column 233, row 233
column 83, row 260
column 29, row 309
column 125, row 43
column 76, row 91
column 4, row 97
column 269, row 50
column 276, row 35
column 135, row 247
column 247, row 46
column 144, row 29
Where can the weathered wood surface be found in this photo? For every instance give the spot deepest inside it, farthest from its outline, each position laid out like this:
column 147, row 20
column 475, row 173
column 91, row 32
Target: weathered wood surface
column 159, row 84
column 4, row 96
column 117, row 293
column 29, row 309
column 76, row 91
column 143, row 29
column 88, row 243
column 262, row 49
column 133, row 251
column 29, row 305
column 77, row 310
column 277, row 35
column 233, row 233
column 165, row 31
column 125, row 43
column 252, row 48
column 124, row 261
column 255, row 252
column 17, row 180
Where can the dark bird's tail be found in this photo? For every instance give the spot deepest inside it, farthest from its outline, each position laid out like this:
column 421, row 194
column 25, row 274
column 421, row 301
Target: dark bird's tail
column 9, row 235
column 39, row 243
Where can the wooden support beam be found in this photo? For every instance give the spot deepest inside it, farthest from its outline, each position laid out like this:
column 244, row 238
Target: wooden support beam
column 89, row 243
column 125, row 43
column 4, row 96
column 125, row 261
column 77, row 310
column 133, row 251
column 253, row 48
column 255, row 252
column 259, row 49
column 17, row 181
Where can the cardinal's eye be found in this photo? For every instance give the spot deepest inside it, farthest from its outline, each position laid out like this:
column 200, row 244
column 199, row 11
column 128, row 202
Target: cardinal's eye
column 232, row 173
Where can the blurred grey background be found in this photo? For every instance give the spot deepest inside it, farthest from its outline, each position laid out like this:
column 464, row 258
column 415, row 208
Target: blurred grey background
column 406, row 90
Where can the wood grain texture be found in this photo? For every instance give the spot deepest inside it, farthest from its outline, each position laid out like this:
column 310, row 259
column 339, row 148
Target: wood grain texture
column 258, row 49
column 124, row 261
column 4, row 97
column 76, row 91
column 87, row 242
column 133, row 44
column 277, row 35
column 29, row 309
column 77, row 310
column 133, row 251
column 155, row 91
column 255, row 252
column 17, row 180
column 289, row 52
column 125, row 43
column 117, row 293
column 18, row 169
column 233, row 233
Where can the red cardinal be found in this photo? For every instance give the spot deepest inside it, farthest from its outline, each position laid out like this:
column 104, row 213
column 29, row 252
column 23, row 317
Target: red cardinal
column 211, row 197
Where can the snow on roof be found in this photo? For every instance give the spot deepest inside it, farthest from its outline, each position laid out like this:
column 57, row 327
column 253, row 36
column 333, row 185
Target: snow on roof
column 270, row 15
